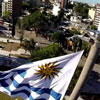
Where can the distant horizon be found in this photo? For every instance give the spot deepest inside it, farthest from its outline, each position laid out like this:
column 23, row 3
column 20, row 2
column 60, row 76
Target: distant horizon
column 88, row 1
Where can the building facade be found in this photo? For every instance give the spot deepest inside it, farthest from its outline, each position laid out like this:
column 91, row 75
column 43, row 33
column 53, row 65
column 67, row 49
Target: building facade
column 4, row 7
column 97, row 15
column 36, row 2
column 91, row 13
column 64, row 3
column 13, row 6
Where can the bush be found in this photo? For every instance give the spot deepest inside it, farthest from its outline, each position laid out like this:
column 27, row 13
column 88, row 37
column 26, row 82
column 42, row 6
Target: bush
column 86, row 47
column 58, row 37
column 47, row 52
column 93, row 27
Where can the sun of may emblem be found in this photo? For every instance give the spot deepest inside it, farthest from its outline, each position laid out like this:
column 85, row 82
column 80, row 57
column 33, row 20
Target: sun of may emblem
column 48, row 71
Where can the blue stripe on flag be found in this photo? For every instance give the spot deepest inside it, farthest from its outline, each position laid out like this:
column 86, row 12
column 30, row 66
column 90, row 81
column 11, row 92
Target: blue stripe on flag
column 40, row 91
column 8, row 89
column 15, row 83
column 21, row 91
column 31, row 98
column 23, row 74
column 2, row 75
column 55, row 95
column 3, row 83
column 48, row 91
column 20, row 71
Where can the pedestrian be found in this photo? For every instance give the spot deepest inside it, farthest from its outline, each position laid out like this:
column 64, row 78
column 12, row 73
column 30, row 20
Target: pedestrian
column 70, row 44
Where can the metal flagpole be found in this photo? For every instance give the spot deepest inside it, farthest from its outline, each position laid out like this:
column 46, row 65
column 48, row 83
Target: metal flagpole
column 86, row 71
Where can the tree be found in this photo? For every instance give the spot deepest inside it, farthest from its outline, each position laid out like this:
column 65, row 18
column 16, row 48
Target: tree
column 36, row 20
column 75, row 32
column 47, row 52
column 20, row 23
column 25, row 5
column 93, row 27
column 21, row 37
column 58, row 37
column 61, row 15
column 7, row 15
column 81, row 10
column 84, row 11
column 26, row 22
column 29, row 45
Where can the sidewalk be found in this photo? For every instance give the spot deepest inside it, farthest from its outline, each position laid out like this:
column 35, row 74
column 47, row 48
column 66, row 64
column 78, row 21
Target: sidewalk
column 15, row 61
column 12, row 61
column 10, row 40
column 18, row 52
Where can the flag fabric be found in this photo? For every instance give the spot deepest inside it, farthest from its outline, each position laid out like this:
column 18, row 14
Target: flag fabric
column 46, row 79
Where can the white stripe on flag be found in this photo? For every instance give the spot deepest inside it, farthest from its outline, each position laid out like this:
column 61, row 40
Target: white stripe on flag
column 26, row 82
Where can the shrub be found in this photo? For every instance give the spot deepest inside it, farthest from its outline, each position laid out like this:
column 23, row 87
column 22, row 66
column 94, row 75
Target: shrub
column 47, row 52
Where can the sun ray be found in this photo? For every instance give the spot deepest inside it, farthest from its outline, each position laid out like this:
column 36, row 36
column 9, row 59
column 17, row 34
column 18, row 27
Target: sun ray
column 48, row 71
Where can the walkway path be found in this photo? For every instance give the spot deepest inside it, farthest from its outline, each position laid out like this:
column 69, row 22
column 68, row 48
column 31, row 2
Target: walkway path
column 42, row 42
column 10, row 40
column 15, row 61
column 12, row 61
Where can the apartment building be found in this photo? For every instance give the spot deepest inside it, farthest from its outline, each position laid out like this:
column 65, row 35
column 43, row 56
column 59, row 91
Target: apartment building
column 64, row 3
column 97, row 15
column 36, row 2
column 91, row 13
column 13, row 6
column 4, row 7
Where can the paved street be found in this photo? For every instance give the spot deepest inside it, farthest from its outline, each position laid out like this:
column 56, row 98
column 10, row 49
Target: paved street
column 12, row 61
column 10, row 40
column 42, row 42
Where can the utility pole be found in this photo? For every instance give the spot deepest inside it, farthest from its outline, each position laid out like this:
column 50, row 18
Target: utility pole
column 95, row 49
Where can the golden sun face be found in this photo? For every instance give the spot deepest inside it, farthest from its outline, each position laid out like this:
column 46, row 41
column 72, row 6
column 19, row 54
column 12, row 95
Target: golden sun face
column 48, row 71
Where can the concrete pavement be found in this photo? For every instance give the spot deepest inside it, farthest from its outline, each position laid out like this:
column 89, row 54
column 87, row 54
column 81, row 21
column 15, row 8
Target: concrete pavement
column 15, row 61
column 10, row 40
column 12, row 61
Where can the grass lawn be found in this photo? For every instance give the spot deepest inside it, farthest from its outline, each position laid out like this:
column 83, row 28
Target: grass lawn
column 6, row 97
column 10, row 46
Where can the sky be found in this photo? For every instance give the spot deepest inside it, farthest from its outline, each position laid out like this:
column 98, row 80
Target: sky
column 88, row 1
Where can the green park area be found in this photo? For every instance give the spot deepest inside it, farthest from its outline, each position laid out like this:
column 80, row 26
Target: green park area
column 9, row 46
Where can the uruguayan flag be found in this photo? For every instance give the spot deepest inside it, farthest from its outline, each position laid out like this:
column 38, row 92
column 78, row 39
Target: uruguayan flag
column 46, row 79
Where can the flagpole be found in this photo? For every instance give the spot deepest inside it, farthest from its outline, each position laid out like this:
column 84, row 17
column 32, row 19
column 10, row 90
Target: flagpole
column 86, row 71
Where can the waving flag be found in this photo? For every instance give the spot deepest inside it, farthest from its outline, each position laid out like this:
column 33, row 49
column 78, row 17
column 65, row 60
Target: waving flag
column 46, row 79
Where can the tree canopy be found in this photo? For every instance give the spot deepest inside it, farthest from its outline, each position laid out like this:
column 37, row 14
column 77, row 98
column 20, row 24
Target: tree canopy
column 47, row 52
column 93, row 27
column 58, row 37
column 25, row 5
column 7, row 15
column 28, row 45
column 36, row 20
column 81, row 9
